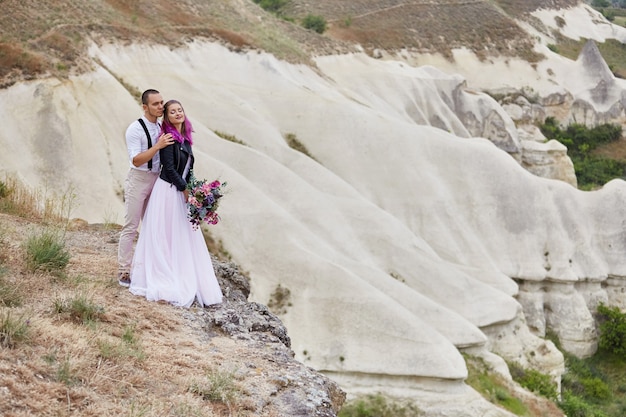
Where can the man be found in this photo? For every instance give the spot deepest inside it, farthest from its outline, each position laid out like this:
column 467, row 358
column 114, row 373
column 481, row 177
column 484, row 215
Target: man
column 143, row 154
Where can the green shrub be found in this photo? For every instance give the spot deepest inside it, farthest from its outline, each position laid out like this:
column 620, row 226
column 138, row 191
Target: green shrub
column 219, row 386
column 585, row 380
column 612, row 326
column 595, row 389
column 534, row 381
column 591, row 171
column 45, row 251
column 574, row 406
column 314, row 22
column 608, row 14
column 584, row 386
column 130, row 337
column 274, row 6
column 79, row 309
column 594, row 386
column 579, row 138
column 378, row 406
column 492, row 386
column 12, row 329
column 66, row 374
column 128, row 346
column 494, row 390
column 10, row 295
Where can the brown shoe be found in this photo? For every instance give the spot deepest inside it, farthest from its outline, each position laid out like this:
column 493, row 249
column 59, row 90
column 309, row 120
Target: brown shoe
column 124, row 279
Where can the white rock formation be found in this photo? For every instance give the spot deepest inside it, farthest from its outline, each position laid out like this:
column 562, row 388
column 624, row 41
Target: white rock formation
column 405, row 239
column 582, row 91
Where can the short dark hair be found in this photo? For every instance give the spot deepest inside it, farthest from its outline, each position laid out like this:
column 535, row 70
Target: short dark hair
column 146, row 94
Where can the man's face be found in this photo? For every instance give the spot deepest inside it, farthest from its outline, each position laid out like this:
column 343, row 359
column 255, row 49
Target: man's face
column 154, row 108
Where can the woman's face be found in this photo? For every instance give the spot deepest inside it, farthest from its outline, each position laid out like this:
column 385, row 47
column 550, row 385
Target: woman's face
column 175, row 114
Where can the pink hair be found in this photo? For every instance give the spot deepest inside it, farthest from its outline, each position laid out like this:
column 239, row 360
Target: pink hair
column 168, row 127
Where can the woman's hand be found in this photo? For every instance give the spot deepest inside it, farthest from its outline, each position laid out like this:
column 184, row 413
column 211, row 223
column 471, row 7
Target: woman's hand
column 186, row 195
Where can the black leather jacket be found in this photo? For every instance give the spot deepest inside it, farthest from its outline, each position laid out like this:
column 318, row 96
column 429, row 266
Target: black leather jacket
column 173, row 160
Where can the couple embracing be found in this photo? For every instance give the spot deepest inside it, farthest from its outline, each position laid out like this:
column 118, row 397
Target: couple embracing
column 171, row 261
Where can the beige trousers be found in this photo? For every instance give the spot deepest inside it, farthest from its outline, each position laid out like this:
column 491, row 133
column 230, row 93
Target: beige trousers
column 137, row 188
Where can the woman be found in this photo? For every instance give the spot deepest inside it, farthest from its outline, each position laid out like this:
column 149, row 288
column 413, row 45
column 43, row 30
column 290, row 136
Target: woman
column 171, row 261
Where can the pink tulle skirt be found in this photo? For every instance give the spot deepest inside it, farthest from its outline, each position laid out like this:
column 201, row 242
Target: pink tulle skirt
column 171, row 260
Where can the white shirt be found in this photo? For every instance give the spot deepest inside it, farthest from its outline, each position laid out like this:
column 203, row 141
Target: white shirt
column 137, row 142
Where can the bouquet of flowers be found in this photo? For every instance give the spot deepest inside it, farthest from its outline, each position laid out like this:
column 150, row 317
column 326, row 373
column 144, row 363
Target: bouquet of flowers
column 203, row 201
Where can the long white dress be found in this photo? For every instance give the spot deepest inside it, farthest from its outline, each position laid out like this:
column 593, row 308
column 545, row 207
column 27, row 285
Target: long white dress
column 171, row 260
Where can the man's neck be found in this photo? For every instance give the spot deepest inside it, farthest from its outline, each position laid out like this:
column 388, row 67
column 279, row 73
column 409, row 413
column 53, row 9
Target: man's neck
column 151, row 118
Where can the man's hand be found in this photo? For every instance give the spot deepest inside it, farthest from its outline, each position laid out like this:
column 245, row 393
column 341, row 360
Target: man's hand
column 164, row 140
column 186, row 195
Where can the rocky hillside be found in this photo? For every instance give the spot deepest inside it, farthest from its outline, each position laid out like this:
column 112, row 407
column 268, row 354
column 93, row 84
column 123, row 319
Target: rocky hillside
column 488, row 28
column 90, row 348
column 50, row 36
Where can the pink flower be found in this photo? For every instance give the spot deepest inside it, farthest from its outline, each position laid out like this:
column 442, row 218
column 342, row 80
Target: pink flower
column 212, row 218
column 203, row 201
column 194, row 202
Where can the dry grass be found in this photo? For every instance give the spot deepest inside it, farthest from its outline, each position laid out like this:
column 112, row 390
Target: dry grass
column 14, row 57
column 78, row 344
column 64, row 367
column 39, row 37
column 17, row 199
column 132, row 357
column 614, row 150
column 486, row 27
column 522, row 7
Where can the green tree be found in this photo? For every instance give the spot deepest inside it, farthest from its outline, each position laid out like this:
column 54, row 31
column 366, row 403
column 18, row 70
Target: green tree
column 612, row 329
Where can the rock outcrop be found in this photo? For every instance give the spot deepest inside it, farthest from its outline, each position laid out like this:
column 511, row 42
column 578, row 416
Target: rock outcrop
column 288, row 388
column 544, row 158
